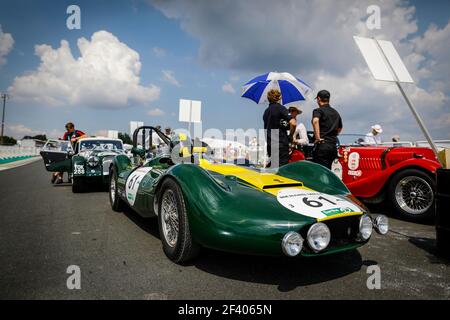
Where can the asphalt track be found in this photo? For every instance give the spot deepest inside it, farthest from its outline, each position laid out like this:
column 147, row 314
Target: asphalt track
column 45, row 228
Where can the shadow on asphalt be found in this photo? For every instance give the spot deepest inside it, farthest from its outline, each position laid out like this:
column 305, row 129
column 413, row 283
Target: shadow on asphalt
column 426, row 244
column 383, row 208
column 287, row 273
column 89, row 188
column 429, row 245
column 149, row 225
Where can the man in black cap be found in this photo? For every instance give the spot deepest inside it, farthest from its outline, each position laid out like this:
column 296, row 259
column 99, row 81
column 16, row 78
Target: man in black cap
column 327, row 124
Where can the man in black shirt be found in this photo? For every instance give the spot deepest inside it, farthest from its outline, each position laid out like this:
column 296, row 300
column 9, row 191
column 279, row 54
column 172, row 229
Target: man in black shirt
column 327, row 124
column 276, row 123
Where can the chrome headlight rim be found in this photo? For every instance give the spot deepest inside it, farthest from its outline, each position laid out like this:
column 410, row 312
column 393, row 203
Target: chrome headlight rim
column 381, row 224
column 365, row 222
column 287, row 241
column 311, row 233
column 93, row 161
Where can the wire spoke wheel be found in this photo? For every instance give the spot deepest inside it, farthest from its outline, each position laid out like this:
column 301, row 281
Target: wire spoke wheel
column 170, row 218
column 414, row 195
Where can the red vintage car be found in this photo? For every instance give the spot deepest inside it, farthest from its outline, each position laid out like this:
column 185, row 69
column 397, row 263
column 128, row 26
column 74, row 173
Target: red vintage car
column 402, row 174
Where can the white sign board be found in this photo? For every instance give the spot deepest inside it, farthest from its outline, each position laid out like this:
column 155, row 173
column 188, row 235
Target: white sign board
column 113, row 134
column 395, row 61
column 383, row 60
column 190, row 111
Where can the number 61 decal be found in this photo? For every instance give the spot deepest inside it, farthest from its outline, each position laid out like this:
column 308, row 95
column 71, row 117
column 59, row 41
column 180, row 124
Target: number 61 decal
column 133, row 181
column 314, row 204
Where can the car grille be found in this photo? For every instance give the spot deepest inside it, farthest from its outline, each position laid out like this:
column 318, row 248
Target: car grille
column 343, row 231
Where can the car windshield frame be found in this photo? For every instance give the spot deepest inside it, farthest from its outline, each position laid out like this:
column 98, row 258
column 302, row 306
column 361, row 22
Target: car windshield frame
column 100, row 144
column 57, row 146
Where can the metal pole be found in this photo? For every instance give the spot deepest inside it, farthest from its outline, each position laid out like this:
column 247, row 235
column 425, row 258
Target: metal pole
column 190, row 118
column 410, row 105
column 419, row 121
column 4, row 97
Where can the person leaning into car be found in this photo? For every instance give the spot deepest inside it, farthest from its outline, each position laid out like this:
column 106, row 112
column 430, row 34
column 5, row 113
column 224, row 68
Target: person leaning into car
column 277, row 121
column 73, row 136
column 327, row 124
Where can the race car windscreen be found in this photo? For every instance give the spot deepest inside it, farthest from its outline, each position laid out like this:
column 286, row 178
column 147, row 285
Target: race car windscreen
column 100, row 144
column 356, row 140
column 56, row 145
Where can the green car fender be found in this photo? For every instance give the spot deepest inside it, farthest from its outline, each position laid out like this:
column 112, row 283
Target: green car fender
column 121, row 163
column 226, row 214
column 314, row 176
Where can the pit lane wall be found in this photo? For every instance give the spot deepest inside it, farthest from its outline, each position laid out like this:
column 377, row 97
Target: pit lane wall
column 15, row 153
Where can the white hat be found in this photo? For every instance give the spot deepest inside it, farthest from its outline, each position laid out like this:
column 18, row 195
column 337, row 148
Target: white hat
column 296, row 108
column 377, row 128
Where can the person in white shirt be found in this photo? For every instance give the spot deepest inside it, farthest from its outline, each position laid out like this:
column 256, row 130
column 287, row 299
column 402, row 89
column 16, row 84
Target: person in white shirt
column 300, row 136
column 373, row 137
column 156, row 140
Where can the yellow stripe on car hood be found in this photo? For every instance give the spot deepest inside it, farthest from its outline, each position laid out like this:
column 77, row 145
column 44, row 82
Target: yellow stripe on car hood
column 264, row 181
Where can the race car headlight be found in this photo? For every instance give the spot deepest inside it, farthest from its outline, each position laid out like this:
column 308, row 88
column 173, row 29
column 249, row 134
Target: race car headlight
column 292, row 244
column 381, row 224
column 365, row 227
column 93, row 161
column 318, row 236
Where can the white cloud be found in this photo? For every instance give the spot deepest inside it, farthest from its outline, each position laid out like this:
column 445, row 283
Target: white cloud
column 20, row 130
column 228, row 87
column 159, row 52
column 430, row 57
column 106, row 75
column 156, row 112
column 169, row 76
column 307, row 34
column 6, row 45
column 54, row 133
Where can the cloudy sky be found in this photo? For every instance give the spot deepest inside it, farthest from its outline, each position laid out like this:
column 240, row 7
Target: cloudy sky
column 133, row 60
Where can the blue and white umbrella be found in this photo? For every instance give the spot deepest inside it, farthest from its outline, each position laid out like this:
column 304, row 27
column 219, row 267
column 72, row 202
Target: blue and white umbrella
column 291, row 88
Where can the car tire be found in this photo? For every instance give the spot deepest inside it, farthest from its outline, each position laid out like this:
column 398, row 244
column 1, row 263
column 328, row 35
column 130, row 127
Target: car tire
column 412, row 195
column 172, row 211
column 116, row 202
column 78, row 185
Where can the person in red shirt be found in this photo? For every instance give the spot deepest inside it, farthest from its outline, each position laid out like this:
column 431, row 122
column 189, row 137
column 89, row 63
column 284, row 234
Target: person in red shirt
column 73, row 136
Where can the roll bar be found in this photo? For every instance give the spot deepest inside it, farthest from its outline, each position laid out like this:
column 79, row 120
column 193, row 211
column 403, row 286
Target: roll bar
column 165, row 138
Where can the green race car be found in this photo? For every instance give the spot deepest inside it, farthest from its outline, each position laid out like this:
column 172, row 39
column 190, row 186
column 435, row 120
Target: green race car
column 89, row 162
column 300, row 209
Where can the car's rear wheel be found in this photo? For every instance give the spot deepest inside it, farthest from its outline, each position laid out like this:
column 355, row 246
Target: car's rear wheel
column 174, row 231
column 411, row 194
column 78, row 185
column 116, row 202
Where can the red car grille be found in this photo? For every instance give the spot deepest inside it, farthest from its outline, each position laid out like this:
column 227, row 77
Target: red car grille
column 369, row 164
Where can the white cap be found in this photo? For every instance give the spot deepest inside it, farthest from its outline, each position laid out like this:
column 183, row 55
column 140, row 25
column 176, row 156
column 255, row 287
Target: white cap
column 295, row 107
column 377, row 128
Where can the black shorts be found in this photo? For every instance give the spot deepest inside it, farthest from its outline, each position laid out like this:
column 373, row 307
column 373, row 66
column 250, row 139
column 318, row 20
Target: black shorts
column 324, row 154
column 280, row 158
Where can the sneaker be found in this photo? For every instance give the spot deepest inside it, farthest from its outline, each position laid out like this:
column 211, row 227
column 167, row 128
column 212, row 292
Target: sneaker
column 54, row 176
column 59, row 180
